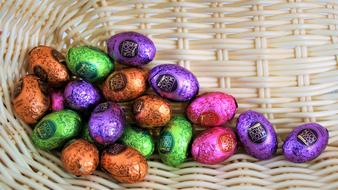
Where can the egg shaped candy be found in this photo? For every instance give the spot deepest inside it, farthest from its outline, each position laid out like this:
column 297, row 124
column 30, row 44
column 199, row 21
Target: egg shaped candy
column 30, row 99
column 81, row 95
column 55, row 129
column 306, row 142
column 174, row 141
column 48, row 64
column 125, row 85
column 131, row 48
column 214, row 145
column 80, row 158
column 173, row 82
column 124, row 164
column 257, row 135
column 57, row 100
column 212, row 109
column 89, row 63
column 106, row 123
column 151, row 111
column 139, row 139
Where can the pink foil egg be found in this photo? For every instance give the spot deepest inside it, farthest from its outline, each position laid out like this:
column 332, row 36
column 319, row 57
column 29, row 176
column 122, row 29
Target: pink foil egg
column 214, row 145
column 57, row 100
column 212, row 109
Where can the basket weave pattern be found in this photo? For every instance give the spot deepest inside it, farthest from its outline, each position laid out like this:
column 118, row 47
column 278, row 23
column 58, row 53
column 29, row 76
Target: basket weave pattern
column 277, row 57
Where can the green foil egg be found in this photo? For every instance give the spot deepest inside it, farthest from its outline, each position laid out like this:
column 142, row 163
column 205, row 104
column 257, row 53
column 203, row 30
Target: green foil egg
column 85, row 134
column 89, row 63
column 139, row 139
column 53, row 130
column 174, row 141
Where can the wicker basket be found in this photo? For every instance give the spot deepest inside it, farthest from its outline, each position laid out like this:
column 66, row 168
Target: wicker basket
column 278, row 57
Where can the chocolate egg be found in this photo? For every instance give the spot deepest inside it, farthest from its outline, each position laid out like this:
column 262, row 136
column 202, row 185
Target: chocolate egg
column 81, row 95
column 55, row 129
column 306, row 142
column 131, row 48
column 257, row 135
column 214, row 145
column 173, row 82
column 106, row 123
column 48, row 64
column 151, row 111
column 57, row 99
column 139, row 139
column 80, row 158
column 89, row 63
column 174, row 141
column 212, row 109
column 124, row 164
column 30, row 99
column 125, row 85
column 85, row 134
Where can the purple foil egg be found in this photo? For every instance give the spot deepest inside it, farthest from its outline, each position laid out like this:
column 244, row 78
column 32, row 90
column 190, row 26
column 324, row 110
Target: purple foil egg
column 306, row 142
column 131, row 48
column 257, row 135
column 106, row 123
column 214, row 145
column 81, row 95
column 212, row 109
column 57, row 100
column 173, row 82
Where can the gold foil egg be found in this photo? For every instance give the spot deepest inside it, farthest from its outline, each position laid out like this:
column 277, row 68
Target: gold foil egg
column 31, row 100
column 80, row 157
column 124, row 164
column 125, row 85
column 48, row 64
column 151, row 111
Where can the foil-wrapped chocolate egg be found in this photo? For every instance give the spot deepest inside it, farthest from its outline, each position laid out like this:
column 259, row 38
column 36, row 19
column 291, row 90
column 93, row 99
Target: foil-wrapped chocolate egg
column 89, row 63
column 212, row 109
column 174, row 141
column 257, row 135
column 30, row 99
column 106, row 123
column 305, row 143
column 151, row 111
column 80, row 157
column 139, row 139
column 131, row 48
column 124, row 164
column 57, row 100
column 214, row 145
column 81, row 95
column 125, row 85
column 55, row 129
column 173, row 82
column 48, row 64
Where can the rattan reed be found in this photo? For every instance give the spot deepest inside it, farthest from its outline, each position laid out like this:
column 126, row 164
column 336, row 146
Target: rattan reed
column 278, row 57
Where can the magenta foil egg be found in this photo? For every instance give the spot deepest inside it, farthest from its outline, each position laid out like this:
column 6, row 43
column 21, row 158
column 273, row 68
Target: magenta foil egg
column 306, row 142
column 57, row 100
column 214, row 145
column 212, row 109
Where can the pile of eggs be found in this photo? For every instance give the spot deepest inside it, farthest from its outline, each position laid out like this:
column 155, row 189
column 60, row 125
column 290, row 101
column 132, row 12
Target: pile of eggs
column 72, row 102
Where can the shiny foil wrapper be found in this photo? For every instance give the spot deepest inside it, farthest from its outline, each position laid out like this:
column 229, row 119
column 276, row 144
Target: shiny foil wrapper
column 126, row 84
column 151, row 111
column 48, row 64
column 305, row 143
column 57, row 100
column 173, row 82
column 257, row 135
column 212, row 109
column 131, row 48
column 214, row 145
column 30, row 99
column 124, row 164
column 80, row 158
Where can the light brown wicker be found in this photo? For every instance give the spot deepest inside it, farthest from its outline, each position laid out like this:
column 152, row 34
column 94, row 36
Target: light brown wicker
column 278, row 57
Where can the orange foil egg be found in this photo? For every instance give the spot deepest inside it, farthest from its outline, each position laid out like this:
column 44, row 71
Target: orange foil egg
column 48, row 64
column 80, row 158
column 151, row 111
column 125, row 85
column 124, row 164
column 31, row 100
